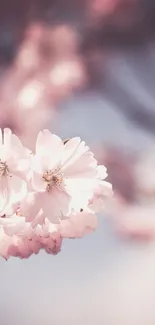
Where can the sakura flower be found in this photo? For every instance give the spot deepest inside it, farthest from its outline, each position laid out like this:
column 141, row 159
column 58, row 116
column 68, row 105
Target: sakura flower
column 63, row 175
column 14, row 162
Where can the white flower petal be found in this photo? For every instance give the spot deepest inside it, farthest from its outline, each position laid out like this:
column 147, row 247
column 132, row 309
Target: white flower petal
column 7, row 137
column 30, row 206
column 4, row 193
column 1, row 139
column 17, row 188
column 55, row 204
column 79, row 225
column 38, row 183
column 101, row 172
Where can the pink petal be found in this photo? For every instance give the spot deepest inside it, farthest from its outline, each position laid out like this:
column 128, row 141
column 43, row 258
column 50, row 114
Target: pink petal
column 81, row 191
column 7, row 137
column 77, row 158
column 6, row 243
column 70, row 149
column 47, row 140
column 30, row 206
column 18, row 164
column 1, row 139
column 49, row 149
column 102, row 192
column 84, row 166
column 27, row 247
column 17, row 188
column 16, row 143
column 10, row 209
column 55, row 204
column 78, row 225
column 101, row 172
column 5, row 194
column 3, row 153
column 14, row 225
column 80, row 184
column 106, row 189
column 52, row 245
column 38, row 182
column 17, row 157
column 39, row 219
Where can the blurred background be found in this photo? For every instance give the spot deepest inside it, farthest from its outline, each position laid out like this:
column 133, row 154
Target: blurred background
column 86, row 68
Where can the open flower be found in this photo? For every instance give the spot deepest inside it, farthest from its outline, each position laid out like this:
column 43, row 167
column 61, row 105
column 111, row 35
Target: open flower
column 14, row 163
column 63, row 175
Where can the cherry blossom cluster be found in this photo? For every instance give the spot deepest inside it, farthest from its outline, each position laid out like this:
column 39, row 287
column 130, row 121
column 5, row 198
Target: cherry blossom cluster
column 47, row 195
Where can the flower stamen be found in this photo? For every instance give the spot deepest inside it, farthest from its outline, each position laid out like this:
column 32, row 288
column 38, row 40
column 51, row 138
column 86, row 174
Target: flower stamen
column 52, row 179
column 3, row 169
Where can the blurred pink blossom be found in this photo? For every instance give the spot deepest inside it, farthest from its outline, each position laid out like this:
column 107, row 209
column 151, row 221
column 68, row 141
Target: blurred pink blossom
column 132, row 209
column 65, row 76
column 133, row 220
column 103, row 7
column 46, row 69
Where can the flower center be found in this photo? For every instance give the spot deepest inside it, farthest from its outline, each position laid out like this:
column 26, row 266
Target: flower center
column 3, row 169
column 52, row 179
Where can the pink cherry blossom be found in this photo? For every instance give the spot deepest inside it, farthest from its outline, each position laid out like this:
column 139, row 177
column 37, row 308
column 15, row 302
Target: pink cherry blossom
column 63, row 175
column 48, row 195
column 14, row 162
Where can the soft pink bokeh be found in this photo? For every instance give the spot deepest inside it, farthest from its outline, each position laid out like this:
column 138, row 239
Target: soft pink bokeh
column 46, row 69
